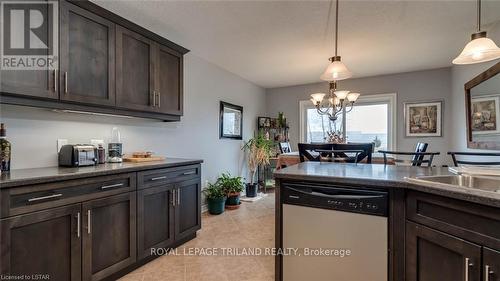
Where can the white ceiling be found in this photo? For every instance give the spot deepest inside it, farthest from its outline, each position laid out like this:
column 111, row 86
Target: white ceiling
column 282, row 43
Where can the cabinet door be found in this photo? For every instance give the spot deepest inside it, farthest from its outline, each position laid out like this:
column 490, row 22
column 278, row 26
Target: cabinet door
column 168, row 81
column 87, row 57
column 155, row 216
column 109, row 240
column 47, row 243
column 134, row 71
column 491, row 265
column 432, row 255
column 187, row 208
column 34, row 83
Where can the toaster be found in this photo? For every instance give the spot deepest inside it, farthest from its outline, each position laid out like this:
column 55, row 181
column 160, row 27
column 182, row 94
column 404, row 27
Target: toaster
column 77, row 155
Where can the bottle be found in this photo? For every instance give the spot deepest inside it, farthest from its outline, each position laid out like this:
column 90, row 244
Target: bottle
column 115, row 147
column 101, row 153
column 5, row 150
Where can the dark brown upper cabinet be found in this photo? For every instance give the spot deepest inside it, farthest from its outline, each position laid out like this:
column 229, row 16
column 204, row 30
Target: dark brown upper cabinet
column 168, row 80
column 46, row 242
column 109, row 235
column 34, row 83
column 135, row 71
column 87, row 72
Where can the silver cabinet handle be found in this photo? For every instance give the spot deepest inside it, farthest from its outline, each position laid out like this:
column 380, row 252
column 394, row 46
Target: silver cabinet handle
column 159, row 178
column 111, row 186
column 44, row 197
column 189, row 173
column 65, row 82
column 159, row 99
column 178, row 197
column 88, row 221
column 55, row 80
column 467, row 265
column 487, row 272
column 154, row 98
column 78, row 218
column 173, row 197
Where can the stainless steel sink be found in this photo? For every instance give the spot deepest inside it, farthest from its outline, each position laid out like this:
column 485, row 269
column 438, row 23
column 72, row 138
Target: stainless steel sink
column 487, row 183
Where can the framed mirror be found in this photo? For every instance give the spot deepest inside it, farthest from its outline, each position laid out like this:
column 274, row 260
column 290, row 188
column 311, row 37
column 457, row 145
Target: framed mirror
column 482, row 105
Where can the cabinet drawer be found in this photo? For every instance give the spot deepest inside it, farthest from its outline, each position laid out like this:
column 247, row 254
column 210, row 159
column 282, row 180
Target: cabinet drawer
column 161, row 176
column 476, row 223
column 26, row 199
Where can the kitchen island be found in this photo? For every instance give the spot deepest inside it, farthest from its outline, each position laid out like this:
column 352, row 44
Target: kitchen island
column 95, row 222
column 435, row 231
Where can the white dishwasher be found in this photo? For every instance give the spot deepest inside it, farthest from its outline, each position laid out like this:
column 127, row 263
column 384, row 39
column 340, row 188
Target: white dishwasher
column 340, row 233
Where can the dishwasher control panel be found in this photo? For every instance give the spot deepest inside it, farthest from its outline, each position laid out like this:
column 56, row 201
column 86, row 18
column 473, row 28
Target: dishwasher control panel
column 356, row 200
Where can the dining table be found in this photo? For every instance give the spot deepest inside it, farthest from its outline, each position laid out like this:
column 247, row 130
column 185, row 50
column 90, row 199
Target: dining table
column 292, row 158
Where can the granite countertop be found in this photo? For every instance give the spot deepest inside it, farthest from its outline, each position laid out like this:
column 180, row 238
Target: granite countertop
column 385, row 176
column 43, row 175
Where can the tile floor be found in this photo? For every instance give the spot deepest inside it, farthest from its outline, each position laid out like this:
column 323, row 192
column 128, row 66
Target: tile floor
column 250, row 226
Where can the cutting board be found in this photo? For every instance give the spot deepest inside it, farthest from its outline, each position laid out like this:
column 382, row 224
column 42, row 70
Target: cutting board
column 142, row 159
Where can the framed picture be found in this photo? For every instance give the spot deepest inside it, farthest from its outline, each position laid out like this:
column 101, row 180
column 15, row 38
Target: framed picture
column 423, row 119
column 231, row 121
column 485, row 113
column 264, row 122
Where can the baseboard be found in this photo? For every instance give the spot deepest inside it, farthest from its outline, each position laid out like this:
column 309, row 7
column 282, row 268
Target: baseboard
column 204, row 208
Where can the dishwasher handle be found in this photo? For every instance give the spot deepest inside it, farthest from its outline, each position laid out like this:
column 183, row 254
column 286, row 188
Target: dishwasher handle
column 338, row 196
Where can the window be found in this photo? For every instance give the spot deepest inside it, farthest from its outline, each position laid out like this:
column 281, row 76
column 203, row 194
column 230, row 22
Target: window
column 371, row 120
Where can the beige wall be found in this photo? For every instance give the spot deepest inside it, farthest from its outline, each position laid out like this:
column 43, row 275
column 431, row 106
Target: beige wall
column 416, row 86
column 33, row 132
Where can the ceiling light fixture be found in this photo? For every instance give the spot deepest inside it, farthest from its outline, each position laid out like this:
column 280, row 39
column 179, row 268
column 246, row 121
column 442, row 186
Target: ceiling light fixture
column 336, row 70
column 480, row 48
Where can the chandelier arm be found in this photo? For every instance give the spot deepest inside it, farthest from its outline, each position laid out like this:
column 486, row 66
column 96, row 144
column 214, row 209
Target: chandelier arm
column 350, row 109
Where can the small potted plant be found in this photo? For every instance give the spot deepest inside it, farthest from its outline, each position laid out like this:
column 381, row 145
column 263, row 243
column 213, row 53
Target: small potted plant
column 259, row 151
column 216, row 198
column 232, row 187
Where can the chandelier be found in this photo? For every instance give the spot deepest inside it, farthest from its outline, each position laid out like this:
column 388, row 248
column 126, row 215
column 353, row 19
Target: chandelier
column 337, row 102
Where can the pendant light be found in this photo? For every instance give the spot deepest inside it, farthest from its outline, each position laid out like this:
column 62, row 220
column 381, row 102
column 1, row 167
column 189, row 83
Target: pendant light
column 336, row 70
column 480, row 48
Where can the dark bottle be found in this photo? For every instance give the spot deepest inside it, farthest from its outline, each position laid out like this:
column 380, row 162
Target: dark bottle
column 4, row 150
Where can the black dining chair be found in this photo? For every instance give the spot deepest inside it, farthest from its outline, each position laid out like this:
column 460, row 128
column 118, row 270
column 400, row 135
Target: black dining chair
column 362, row 150
column 418, row 155
column 285, row 147
column 308, row 151
column 457, row 162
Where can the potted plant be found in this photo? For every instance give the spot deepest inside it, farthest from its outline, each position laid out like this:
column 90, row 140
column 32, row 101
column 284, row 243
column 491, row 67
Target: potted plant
column 259, row 151
column 232, row 187
column 216, row 198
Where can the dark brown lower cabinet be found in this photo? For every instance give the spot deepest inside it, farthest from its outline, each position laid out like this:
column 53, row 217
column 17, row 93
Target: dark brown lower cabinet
column 155, row 227
column 46, row 242
column 187, row 208
column 432, row 255
column 109, row 235
column 491, row 265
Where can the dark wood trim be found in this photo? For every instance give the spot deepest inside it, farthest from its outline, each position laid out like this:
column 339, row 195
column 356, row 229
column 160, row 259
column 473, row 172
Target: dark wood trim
column 397, row 226
column 278, row 228
column 490, row 72
column 6, row 98
column 128, row 24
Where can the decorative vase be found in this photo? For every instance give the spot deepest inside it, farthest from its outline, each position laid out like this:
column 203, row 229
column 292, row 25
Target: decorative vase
column 251, row 189
column 216, row 205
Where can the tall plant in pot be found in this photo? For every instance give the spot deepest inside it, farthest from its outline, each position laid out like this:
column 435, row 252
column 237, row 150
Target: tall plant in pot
column 232, row 187
column 216, row 198
column 259, row 151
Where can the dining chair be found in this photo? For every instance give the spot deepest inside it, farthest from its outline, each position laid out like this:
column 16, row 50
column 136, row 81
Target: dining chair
column 362, row 150
column 285, row 147
column 418, row 155
column 457, row 162
column 308, row 151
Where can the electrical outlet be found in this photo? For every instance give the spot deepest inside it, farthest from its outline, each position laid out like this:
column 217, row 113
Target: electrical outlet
column 96, row 143
column 60, row 143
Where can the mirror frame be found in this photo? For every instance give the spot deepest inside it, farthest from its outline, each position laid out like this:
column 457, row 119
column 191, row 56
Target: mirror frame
column 482, row 77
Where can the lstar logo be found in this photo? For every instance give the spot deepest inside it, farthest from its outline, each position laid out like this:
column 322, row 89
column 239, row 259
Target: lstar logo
column 29, row 39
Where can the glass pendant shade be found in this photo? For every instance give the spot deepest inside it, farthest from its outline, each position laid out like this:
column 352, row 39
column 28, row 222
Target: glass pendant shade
column 317, row 97
column 352, row 97
column 336, row 71
column 478, row 50
column 341, row 95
